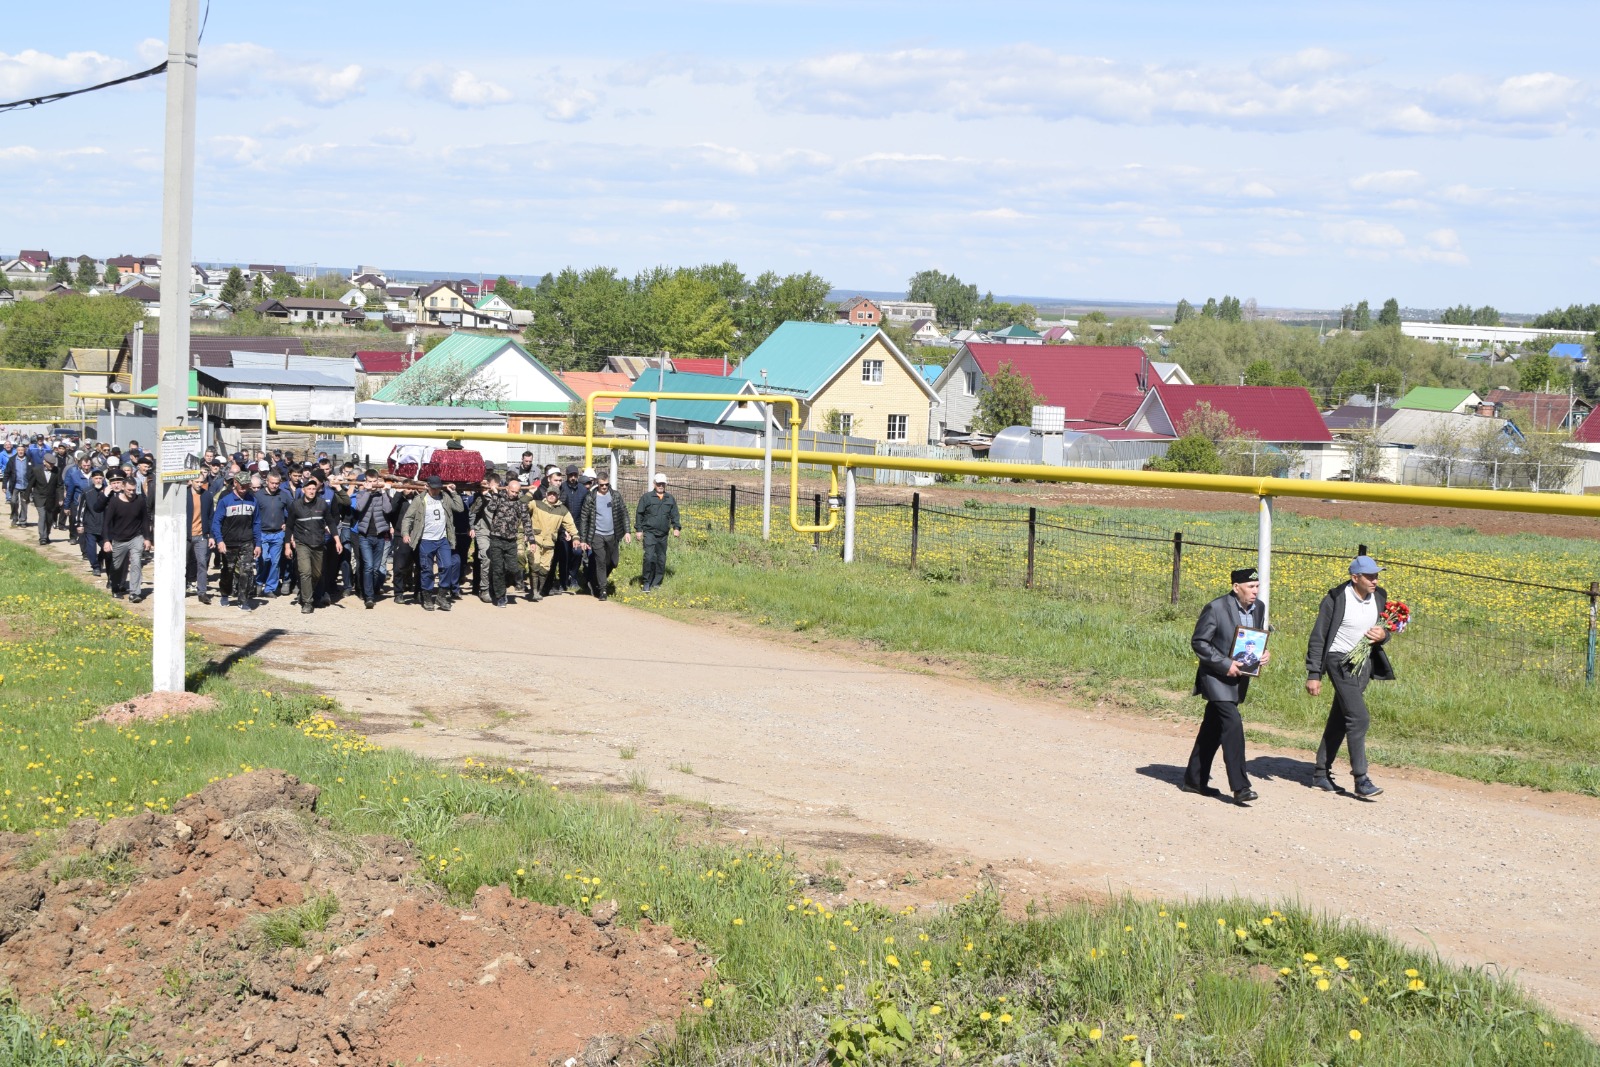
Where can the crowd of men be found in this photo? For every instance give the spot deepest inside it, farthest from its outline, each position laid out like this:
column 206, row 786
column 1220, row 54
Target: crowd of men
column 274, row 525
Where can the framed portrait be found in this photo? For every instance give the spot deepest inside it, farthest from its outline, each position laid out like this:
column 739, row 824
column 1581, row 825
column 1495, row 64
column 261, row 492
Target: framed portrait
column 1249, row 645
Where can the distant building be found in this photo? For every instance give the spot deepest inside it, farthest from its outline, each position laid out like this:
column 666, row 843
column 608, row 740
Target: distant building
column 302, row 309
column 859, row 311
column 904, row 312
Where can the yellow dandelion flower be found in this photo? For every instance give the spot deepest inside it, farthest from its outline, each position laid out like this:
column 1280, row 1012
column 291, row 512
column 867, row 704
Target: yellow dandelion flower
column 985, row 1016
column 1323, row 985
column 1094, row 1034
column 1310, row 957
column 1355, row 1035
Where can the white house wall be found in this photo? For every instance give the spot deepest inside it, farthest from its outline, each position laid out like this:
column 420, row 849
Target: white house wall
column 957, row 409
column 523, row 381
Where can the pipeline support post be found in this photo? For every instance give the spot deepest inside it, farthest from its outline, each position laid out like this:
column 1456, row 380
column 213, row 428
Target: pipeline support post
column 1264, row 555
column 650, row 464
column 766, row 475
column 1177, row 564
column 263, row 429
column 611, row 468
column 849, row 514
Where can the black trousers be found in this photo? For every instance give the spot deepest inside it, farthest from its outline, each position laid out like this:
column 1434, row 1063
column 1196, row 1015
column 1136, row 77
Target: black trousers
column 405, row 568
column 1222, row 727
column 503, row 568
column 655, row 557
column 1348, row 718
column 605, row 555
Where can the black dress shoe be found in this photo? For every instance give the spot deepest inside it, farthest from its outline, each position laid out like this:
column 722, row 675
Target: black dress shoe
column 1201, row 790
column 205, row 598
column 369, row 604
column 1246, row 795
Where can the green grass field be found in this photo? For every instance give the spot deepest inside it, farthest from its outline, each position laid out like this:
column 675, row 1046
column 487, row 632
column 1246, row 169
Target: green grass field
column 1220, row 982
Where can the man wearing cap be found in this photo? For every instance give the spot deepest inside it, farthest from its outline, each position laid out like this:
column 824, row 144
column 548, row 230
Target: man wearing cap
column 236, row 531
column 603, row 523
column 311, row 526
column 89, row 520
column 551, row 527
column 657, row 517
column 48, row 491
column 372, row 510
column 577, row 490
column 430, row 526
column 1218, row 679
column 1349, row 612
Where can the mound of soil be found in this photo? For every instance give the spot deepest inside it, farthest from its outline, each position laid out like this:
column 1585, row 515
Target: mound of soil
column 152, row 707
column 163, row 914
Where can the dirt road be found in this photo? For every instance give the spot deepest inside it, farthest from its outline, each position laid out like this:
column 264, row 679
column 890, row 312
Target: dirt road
column 797, row 738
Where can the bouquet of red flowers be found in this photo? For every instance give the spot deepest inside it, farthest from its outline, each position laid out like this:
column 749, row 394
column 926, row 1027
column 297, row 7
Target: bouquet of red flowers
column 1394, row 617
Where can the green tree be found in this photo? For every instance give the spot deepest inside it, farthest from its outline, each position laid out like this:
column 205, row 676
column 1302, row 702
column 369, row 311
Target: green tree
column 1184, row 313
column 87, row 278
column 1261, row 372
column 1362, row 318
column 1390, row 315
column 234, row 289
column 956, row 301
column 1008, row 399
column 1540, row 372
column 60, row 273
column 113, row 276
column 1192, row 453
column 689, row 316
column 997, row 314
column 772, row 301
column 1365, row 378
column 258, row 288
column 284, row 284
column 1229, row 310
column 1460, row 315
column 37, row 333
column 1486, row 316
column 580, row 318
column 1209, row 311
column 506, row 290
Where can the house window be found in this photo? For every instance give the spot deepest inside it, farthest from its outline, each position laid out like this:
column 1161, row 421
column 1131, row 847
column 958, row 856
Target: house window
column 972, row 383
column 872, row 371
column 897, row 428
column 433, row 301
column 454, row 302
column 846, row 423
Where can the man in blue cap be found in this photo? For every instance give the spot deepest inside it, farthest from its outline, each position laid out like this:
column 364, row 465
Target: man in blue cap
column 1350, row 611
column 1222, row 682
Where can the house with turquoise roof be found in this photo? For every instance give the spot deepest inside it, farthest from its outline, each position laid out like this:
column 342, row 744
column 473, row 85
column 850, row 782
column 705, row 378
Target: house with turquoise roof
column 530, row 395
column 676, row 416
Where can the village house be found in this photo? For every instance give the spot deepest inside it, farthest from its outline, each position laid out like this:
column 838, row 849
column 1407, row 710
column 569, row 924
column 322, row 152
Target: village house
column 302, row 309
column 527, row 394
column 850, row 379
column 1275, row 416
column 859, row 311
column 905, row 312
column 1073, row 378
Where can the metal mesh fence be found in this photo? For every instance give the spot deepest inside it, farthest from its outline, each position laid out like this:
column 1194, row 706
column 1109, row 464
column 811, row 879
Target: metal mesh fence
column 1475, row 621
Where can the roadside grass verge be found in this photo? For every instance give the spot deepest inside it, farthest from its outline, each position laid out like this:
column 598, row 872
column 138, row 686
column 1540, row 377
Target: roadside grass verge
column 1524, row 729
column 797, row 978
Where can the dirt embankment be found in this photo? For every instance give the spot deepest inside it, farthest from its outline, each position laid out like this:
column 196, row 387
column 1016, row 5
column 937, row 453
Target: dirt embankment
column 177, row 916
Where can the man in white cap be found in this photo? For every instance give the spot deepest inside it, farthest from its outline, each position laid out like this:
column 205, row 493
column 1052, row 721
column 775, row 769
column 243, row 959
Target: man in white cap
column 1349, row 612
column 657, row 516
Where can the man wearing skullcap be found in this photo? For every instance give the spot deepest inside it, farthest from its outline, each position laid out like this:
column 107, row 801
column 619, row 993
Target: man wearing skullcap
column 1219, row 679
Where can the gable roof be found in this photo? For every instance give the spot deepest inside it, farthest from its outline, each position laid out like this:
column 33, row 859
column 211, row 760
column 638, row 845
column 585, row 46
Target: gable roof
column 855, row 302
column 1067, row 376
column 428, row 290
column 1356, row 417
column 1016, row 329
column 1568, row 350
column 1589, row 432
column 712, row 367
column 91, row 360
column 1414, row 426
column 472, row 353
column 1113, row 409
column 803, row 357
column 374, row 361
column 709, row 412
column 210, row 349
column 1274, row 413
column 302, row 303
column 585, row 382
column 1433, row 398
column 489, row 299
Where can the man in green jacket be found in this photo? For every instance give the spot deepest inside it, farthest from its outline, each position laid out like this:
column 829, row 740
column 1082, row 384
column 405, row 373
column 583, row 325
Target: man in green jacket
column 657, row 516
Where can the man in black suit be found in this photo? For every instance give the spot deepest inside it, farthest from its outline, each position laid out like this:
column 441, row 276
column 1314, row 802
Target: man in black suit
column 48, row 492
column 1220, row 681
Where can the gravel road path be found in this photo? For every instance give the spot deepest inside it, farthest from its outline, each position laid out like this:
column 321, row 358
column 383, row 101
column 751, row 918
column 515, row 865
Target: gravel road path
column 803, row 738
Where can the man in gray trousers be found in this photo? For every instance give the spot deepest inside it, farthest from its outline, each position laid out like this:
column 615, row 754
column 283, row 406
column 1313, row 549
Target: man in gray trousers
column 1348, row 613
column 1219, row 679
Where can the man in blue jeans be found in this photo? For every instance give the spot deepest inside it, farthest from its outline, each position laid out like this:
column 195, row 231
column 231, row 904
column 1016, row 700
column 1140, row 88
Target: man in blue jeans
column 430, row 526
column 272, row 504
column 372, row 517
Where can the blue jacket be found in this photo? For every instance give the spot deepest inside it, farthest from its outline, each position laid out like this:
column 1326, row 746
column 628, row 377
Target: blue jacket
column 232, row 513
column 75, row 482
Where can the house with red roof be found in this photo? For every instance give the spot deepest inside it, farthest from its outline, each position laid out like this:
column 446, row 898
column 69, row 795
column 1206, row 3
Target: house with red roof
column 717, row 368
column 376, row 368
column 1097, row 385
column 1273, row 415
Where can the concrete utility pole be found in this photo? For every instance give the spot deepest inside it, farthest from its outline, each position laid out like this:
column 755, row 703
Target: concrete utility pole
column 172, row 393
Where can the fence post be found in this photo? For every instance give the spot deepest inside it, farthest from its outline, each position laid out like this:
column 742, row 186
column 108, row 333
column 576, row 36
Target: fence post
column 1264, row 555
column 733, row 506
column 1594, row 608
column 1361, row 550
column 1177, row 563
column 849, row 514
column 816, row 520
column 1033, row 535
column 916, row 526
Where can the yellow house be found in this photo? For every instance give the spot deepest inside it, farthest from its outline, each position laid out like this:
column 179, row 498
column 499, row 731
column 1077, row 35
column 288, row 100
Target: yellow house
column 851, row 376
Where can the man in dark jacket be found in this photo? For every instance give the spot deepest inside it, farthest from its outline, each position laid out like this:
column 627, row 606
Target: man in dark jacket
column 236, row 529
column 1348, row 613
column 1220, row 680
column 372, row 510
column 573, row 494
column 657, row 516
column 48, row 492
column 16, row 484
column 89, row 520
column 272, row 504
column 312, row 526
column 199, row 507
column 501, row 525
column 603, row 524
column 129, row 533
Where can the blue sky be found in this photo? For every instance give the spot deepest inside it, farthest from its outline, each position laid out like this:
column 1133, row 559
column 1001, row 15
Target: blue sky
column 1144, row 151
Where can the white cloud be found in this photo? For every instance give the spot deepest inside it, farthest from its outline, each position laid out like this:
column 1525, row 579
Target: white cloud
column 712, row 211
column 999, row 214
column 1156, row 227
column 243, row 69
column 236, row 150
column 34, row 73
column 569, row 103
column 1311, row 90
column 286, row 126
column 458, row 88
column 1359, row 233
column 398, row 136
column 1388, row 181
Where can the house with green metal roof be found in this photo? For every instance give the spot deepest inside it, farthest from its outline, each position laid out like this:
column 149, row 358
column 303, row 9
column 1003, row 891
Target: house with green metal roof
column 1017, row 334
column 849, row 377
column 631, row 414
column 532, row 397
column 1436, row 398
